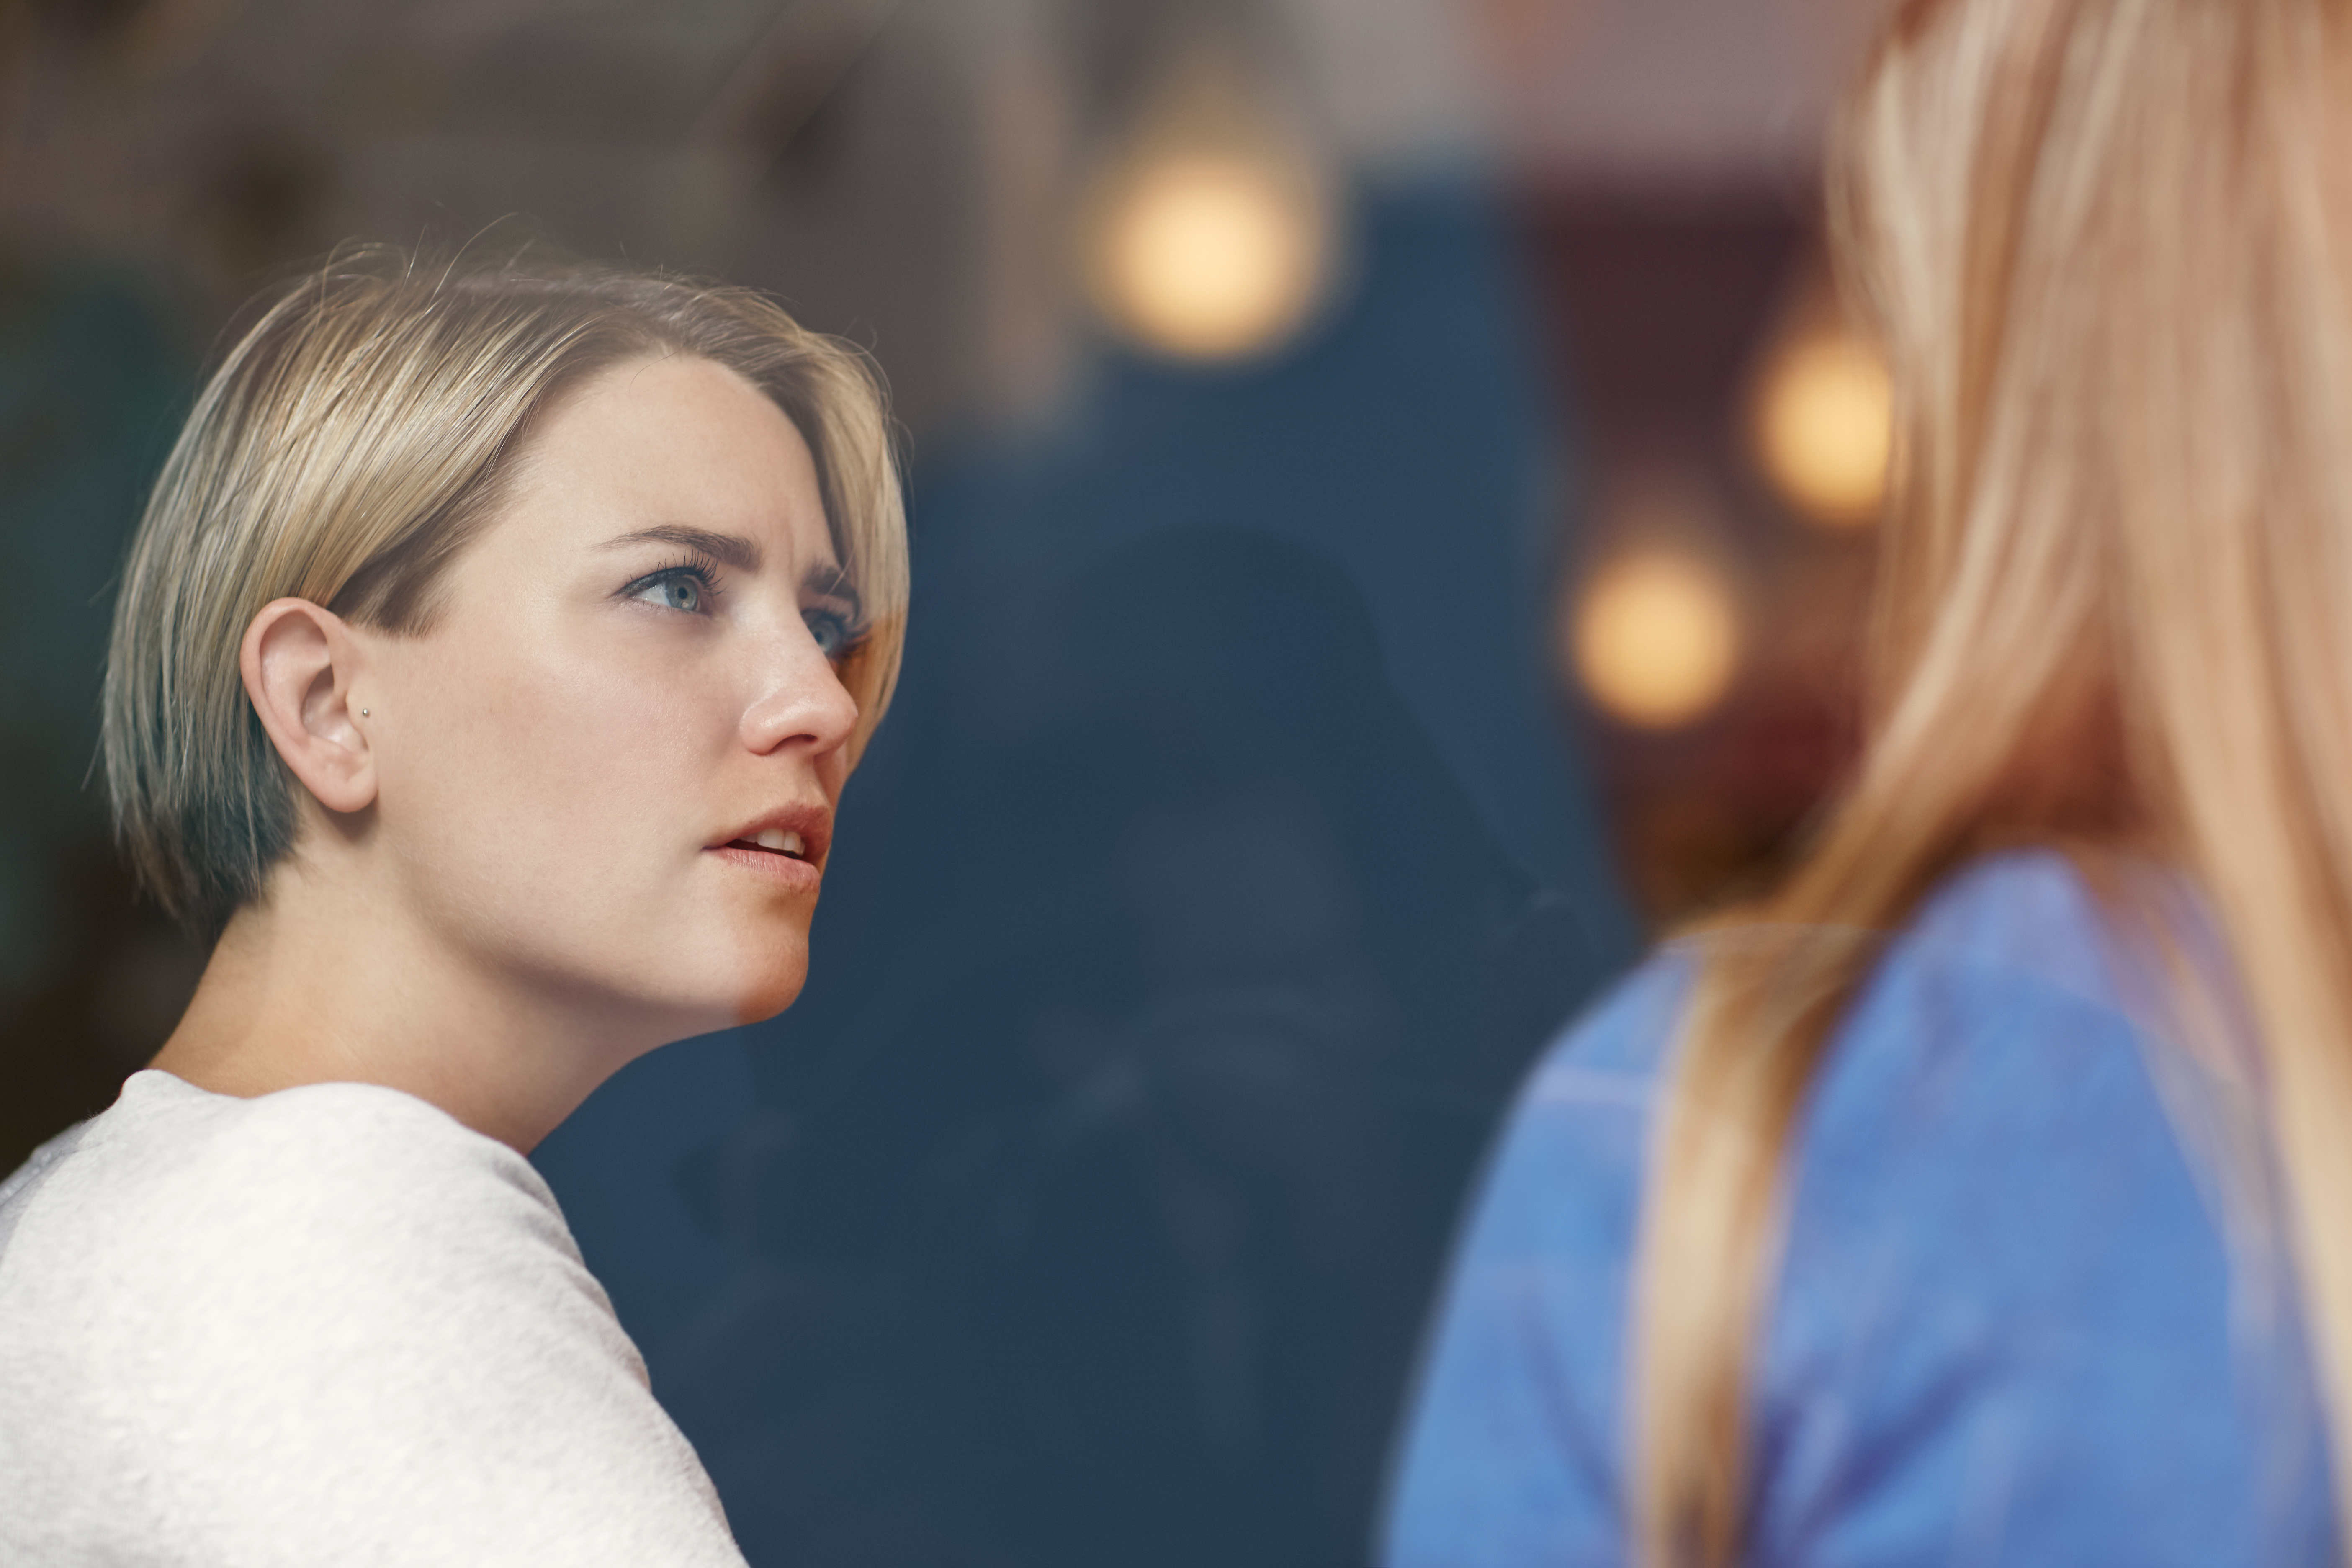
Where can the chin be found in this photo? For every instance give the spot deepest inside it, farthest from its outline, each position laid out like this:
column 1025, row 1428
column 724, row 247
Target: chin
column 777, row 987
column 725, row 974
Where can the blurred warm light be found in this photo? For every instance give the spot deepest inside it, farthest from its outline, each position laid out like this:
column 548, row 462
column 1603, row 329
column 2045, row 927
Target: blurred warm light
column 1207, row 254
column 1825, row 428
column 1655, row 638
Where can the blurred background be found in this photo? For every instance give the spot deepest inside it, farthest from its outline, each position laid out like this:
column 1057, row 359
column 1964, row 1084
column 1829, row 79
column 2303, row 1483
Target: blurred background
column 1392, row 493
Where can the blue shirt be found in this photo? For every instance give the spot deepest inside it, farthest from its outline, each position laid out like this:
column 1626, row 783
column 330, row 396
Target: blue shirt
column 2006, row 1327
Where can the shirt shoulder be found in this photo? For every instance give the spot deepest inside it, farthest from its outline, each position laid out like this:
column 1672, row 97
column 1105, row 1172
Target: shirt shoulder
column 318, row 1323
column 348, row 1195
column 1999, row 1273
column 2006, row 1270
column 169, row 1154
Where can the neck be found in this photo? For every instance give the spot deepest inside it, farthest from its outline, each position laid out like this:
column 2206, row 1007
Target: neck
column 319, row 982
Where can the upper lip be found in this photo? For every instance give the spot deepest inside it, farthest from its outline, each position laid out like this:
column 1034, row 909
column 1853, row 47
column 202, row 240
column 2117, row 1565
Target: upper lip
column 813, row 822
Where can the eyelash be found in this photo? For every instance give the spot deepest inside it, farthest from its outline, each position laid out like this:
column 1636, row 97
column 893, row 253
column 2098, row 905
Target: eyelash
column 695, row 568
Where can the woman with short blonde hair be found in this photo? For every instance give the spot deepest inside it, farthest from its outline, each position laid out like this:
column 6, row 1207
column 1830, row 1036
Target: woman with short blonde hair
column 485, row 675
column 1981, row 1193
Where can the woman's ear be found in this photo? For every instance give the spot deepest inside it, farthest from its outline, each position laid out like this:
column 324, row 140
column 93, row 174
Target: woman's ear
column 300, row 662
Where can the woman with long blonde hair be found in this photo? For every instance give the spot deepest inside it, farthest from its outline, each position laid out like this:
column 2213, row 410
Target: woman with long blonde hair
column 1985, row 1193
column 486, row 674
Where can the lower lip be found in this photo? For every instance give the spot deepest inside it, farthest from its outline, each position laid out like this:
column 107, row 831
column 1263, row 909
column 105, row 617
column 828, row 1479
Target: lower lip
column 793, row 876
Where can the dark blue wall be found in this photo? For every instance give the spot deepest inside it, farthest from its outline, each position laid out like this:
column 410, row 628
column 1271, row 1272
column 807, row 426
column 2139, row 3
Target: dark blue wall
column 1217, row 874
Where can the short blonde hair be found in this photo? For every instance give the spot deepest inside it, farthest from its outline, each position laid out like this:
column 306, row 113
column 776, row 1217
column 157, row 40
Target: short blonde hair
column 348, row 449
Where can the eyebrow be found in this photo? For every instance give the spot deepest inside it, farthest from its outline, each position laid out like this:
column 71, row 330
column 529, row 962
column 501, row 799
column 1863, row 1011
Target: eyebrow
column 830, row 580
column 727, row 549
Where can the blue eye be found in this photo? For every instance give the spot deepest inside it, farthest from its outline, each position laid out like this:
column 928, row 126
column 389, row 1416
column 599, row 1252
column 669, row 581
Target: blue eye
column 678, row 588
column 831, row 632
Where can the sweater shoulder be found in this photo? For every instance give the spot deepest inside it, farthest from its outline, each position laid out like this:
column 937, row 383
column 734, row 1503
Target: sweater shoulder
column 172, row 1189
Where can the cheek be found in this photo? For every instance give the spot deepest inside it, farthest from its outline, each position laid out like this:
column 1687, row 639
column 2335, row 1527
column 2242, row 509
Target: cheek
column 562, row 795
column 553, row 820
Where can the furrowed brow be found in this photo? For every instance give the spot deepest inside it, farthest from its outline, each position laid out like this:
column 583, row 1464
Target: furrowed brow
column 829, row 579
column 727, row 549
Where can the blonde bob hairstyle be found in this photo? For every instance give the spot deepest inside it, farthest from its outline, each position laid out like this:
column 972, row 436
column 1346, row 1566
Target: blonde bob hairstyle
column 347, row 450
column 2108, row 245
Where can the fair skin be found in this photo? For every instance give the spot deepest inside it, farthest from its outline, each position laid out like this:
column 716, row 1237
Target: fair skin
column 586, row 812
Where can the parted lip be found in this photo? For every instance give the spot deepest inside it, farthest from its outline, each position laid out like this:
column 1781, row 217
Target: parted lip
column 813, row 820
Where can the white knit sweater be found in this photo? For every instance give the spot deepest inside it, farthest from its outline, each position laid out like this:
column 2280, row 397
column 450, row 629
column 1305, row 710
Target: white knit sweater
column 329, row 1325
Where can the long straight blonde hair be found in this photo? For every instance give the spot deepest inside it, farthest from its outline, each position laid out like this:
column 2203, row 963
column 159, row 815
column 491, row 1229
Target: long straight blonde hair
column 2105, row 243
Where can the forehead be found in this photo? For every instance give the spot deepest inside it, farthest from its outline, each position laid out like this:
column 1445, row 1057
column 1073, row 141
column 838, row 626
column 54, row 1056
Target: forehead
column 675, row 440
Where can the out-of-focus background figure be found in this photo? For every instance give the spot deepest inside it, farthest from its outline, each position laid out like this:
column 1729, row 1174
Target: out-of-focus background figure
column 1392, row 491
column 1978, row 1191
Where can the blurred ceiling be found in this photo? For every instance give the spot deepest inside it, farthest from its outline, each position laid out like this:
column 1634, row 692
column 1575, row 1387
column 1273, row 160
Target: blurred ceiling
column 1681, row 93
column 904, row 169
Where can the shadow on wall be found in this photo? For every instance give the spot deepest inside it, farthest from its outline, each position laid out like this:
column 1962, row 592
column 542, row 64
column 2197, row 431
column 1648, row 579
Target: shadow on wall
column 1101, row 1226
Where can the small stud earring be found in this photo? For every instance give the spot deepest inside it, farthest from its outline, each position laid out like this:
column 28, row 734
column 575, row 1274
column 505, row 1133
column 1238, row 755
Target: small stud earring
column 364, row 712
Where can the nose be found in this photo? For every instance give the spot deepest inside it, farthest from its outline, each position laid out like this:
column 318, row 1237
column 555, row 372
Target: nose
column 801, row 703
